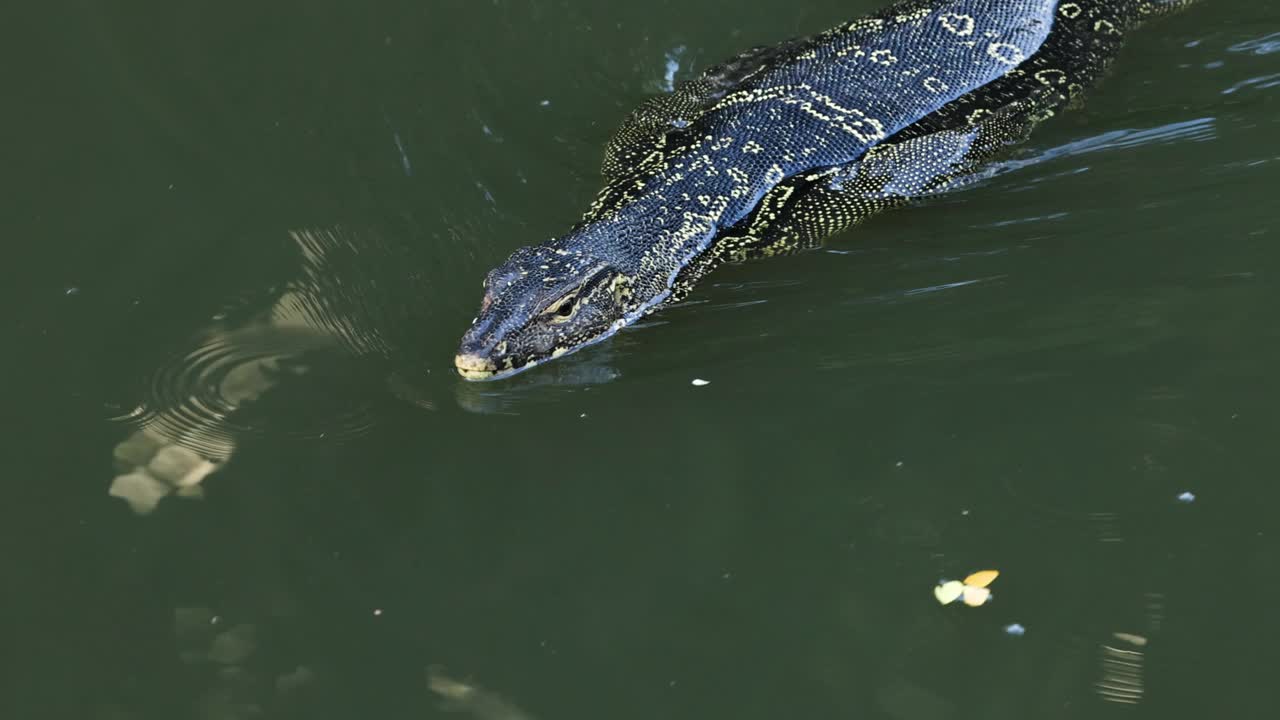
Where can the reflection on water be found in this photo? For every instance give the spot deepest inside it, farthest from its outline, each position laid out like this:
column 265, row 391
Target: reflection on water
column 204, row 398
column 319, row 332
column 151, row 467
column 577, row 374
column 333, row 336
column 1122, row 669
column 235, row 682
column 471, row 699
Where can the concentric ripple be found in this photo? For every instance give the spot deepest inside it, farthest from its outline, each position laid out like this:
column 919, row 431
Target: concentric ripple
column 211, row 396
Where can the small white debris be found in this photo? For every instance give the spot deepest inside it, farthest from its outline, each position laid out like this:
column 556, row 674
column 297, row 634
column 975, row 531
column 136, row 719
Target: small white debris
column 545, row 103
column 898, row 464
column 377, row 612
column 1015, row 629
column 699, row 382
column 1187, row 497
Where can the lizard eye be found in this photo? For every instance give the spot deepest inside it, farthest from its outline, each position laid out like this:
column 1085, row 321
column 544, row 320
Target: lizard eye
column 561, row 310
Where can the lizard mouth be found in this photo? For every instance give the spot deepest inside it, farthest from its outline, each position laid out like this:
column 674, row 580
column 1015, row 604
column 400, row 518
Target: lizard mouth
column 478, row 368
column 474, row 367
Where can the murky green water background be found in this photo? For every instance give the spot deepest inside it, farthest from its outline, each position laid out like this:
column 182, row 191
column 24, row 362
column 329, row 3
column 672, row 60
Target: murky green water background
column 257, row 235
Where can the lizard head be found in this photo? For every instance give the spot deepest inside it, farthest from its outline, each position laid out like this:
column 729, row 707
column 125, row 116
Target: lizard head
column 540, row 304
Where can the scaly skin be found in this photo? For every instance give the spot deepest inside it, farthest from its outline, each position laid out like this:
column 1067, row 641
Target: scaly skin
column 783, row 146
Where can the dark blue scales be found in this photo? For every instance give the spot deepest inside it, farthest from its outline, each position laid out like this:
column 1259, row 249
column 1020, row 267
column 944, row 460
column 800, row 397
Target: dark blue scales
column 782, row 146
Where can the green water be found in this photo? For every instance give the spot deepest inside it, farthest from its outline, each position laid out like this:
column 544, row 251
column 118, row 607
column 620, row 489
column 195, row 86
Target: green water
column 258, row 235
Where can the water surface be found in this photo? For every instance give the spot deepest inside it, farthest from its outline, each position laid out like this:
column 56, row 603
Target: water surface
column 249, row 484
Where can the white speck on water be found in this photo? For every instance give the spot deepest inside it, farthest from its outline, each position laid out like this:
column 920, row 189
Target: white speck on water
column 71, row 291
column 699, row 382
column 377, row 612
column 1186, row 496
column 1015, row 629
column 583, row 415
column 964, row 513
column 545, row 103
column 898, row 464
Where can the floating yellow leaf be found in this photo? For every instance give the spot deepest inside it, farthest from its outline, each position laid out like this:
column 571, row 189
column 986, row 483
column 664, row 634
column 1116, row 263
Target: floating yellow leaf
column 949, row 592
column 982, row 578
column 975, row 596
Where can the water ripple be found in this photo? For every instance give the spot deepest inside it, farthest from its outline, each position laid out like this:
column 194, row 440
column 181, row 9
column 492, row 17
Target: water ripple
column 337, row 317
column 1195, row 130
column 553, row 384
column 1264, row 45
column 1263, row 82
column 204, row 398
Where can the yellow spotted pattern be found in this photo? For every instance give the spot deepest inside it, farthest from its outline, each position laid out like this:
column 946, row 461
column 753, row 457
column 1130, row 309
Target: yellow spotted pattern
column 784, row 145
